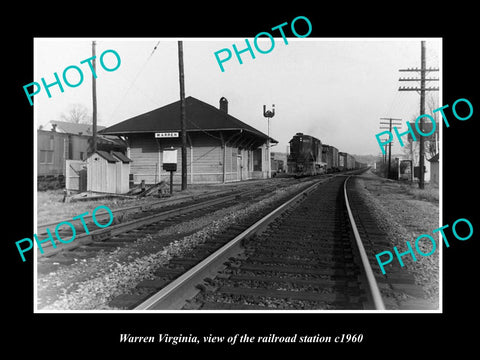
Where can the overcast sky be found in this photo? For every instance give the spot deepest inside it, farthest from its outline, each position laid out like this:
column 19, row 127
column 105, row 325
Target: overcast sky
column 333, row 89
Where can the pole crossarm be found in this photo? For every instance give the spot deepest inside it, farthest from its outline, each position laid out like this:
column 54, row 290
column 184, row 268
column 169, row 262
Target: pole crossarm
column 421, row 70
column 404, row 88
column 415, row 79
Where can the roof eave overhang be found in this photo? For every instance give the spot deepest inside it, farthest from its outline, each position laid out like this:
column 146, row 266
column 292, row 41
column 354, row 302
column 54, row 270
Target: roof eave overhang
column 129, row 132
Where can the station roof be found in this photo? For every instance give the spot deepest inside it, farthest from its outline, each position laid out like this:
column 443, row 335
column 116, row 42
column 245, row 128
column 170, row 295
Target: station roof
column 200, row 117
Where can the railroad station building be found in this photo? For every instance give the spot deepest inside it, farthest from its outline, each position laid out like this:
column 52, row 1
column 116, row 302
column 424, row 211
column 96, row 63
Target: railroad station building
column 220, row 147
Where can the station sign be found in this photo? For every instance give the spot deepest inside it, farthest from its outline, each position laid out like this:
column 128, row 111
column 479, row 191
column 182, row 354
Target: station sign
column 170, row 159
column 166, row 135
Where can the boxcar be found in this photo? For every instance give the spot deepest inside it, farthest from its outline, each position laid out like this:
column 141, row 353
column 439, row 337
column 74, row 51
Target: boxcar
column 342, row 161
column 330, row 157
column 350, row 162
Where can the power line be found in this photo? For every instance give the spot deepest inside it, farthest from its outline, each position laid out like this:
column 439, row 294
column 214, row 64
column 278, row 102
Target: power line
column 132, row 83
column 155, row 48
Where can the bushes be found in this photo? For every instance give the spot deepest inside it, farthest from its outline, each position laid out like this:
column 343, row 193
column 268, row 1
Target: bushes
column 50, row 183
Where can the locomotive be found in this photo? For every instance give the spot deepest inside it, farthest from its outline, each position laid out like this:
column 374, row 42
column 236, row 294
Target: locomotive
column 308, row 156
column 305, row 156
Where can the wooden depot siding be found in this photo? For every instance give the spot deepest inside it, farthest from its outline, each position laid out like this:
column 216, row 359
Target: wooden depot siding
column 207, row 154
column 206, row 151
column 145, row 158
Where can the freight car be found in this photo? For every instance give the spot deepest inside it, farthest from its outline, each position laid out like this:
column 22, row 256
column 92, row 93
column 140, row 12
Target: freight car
column 305, row 156
column 350, row 162
column 330, row 157
column 359, row 165
column 345, row 161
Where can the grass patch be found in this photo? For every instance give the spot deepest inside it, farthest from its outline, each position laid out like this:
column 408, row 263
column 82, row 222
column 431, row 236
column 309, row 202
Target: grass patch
column 429, row 193
column 50, row 206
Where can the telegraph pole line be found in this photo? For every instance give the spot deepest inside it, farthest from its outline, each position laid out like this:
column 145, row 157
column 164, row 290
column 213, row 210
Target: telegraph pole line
column 94, row 100
column 183, row 116
column 423, row 70
column 421, row 182
column 397, row 124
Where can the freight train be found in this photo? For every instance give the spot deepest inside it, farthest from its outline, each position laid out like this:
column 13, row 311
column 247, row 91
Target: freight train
column 308, row 156
column 305, row 156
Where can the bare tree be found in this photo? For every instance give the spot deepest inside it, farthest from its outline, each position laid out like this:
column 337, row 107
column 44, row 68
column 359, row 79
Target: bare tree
column 431, row 147
column 432, row 104
column 412, row 148
column 77, row 113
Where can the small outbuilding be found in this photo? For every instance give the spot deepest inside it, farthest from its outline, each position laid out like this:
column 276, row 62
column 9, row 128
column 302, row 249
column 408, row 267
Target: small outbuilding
column 108, row 172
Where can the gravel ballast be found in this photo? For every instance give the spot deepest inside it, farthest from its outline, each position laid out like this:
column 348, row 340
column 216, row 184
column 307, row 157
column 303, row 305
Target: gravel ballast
column 404, row 217
column 90, row 283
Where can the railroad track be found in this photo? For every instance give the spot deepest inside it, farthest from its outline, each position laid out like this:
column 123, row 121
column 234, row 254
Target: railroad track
column 141, row 220
column 138, row 209
column 305, row 254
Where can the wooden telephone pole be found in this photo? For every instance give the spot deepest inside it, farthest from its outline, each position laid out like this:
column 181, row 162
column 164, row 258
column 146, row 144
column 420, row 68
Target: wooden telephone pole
column 397, row 124
column 183, row 116
column 423, row 70
column 94, row 99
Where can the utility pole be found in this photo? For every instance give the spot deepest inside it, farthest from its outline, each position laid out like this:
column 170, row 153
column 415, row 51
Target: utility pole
column 183, row 116
column 397, row 123
column 94, row 98
column 423, row 70
column 421, row 182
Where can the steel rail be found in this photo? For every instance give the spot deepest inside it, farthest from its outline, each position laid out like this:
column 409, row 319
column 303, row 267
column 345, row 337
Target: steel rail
column 132, row 209
column 41, row 228
column 113, row 230
column 182, row 288
column 372, row 282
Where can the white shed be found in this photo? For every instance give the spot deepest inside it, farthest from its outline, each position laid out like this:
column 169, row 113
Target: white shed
column 108, row 172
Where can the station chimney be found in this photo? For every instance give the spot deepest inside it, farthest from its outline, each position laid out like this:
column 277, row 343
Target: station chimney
column 224, row 104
